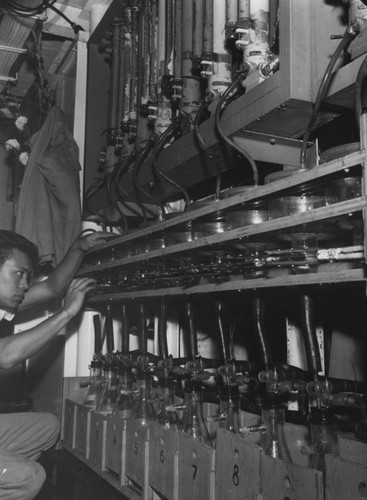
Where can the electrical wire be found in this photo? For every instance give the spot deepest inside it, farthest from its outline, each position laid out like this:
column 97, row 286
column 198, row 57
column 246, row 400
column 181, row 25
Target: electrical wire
column 122, row 170
column 227, row 96
column 161, row 141
column 148, row 148
column 350, row 33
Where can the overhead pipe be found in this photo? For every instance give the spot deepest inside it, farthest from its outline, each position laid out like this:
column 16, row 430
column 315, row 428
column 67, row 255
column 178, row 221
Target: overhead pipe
column 256, row 53
column 207, row 57
column 108, row 329
column 127, row 69
column 121, row 83
column 153, row 62
column 198, row 26
column 177, row 82
column 164, row 112
column 114, row 81
column 221, row 78
column 191, row 93
column 232, row 17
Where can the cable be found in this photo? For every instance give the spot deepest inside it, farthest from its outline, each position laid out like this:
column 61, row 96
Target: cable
column 147, row 149
column 222, row 103
column 161, row 141
column 350, row 33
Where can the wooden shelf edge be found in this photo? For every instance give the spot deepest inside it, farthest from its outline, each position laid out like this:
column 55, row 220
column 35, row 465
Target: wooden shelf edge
column 241, row 284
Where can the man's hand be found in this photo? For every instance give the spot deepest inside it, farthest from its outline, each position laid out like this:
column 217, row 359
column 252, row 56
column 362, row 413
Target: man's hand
column 75, row 295
column 91, row 240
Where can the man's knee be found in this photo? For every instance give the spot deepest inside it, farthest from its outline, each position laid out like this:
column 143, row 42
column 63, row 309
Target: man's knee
column 21, row 479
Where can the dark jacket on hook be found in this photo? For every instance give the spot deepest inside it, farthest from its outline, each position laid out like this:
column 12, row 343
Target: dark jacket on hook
column 49, row 212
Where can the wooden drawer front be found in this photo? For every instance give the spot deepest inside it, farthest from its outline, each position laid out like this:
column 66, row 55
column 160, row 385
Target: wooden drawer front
column 82, row 429
column 69, row 422
column 163, row 461
column 97, row 440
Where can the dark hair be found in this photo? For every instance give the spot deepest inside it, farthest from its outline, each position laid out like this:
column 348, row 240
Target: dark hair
column 10, row 241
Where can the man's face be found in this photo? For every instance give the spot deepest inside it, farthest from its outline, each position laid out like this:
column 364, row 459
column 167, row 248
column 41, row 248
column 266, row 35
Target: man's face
column 15, row 278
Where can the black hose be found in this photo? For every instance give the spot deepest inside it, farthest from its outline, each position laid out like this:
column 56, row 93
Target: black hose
column 192, row 330
column 97, row 334
column 124, row 193
column 308, row 330
column 143, row 340
column 108, row 329
column 115, row 202
column 349, row 35
column 258, row 317
column 222, row 337
column 162, row 329
column 223, row 101
column 147, row 149
column 161, row 141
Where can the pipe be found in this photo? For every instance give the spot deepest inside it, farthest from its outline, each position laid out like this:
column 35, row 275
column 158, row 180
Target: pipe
column 221, row 77
column 207, row 57
column 191, row 92
column 349, row 35
column 256, row 52
column 128, row 57
column 122, row 78
column 114, row 78
column 259, row 323
column 192, row 329
column 198, row 32
column 124, row 330
column 243, row 25
column 162, row 329
column 231, row 18
column 162, row 14
column 177, row 83
column 308, row 329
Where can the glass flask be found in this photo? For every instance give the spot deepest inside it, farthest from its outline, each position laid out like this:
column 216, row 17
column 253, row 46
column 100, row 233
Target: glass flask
column 124, row 404
column 166, row 399
column 324, row 436
column 144, row 410
column 229, row 404
column 193, row 422
column 273, row 439
column 94, row 391
column 109, row 393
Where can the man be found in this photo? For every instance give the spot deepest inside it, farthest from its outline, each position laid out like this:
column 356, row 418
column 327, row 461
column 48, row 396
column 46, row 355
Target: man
column 23, row 436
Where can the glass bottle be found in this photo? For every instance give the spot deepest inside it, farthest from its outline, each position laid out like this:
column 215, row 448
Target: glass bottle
column 124, row 404
column 144, row 410
column 273, row 439
column 94, row 391
column 193, row 422
column 324, row 436
column 166, row 399
column 109, row 393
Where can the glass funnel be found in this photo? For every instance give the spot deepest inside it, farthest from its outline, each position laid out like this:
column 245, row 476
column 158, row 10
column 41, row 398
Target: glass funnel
column 166, row 399
column 273, row 417
column 124, row 404
column 109, row 393
column 94, row 391
column 144, row 410
column 193, row 422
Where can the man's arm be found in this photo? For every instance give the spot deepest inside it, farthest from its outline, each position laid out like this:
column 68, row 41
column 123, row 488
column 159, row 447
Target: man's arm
column 17, row 348
column 59, row 279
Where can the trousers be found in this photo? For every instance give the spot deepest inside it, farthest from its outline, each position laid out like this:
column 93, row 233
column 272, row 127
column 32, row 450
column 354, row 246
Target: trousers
column 23, row 437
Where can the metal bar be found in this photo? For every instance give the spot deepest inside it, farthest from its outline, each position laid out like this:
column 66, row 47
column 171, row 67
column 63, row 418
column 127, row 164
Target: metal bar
column 13, row 49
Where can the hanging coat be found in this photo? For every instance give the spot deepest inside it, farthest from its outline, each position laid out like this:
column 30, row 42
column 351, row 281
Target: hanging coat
column 49, row 211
